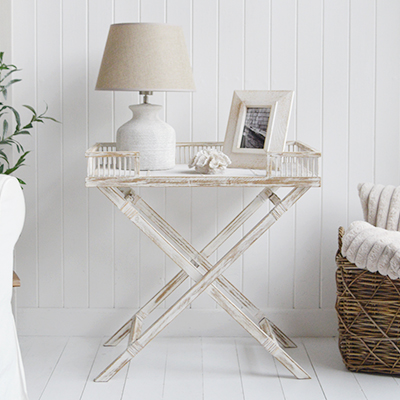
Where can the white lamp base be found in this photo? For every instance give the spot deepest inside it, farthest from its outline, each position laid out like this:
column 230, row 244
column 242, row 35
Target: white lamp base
column 148, row 134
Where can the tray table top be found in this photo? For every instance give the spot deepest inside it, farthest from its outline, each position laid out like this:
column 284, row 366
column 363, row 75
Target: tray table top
column 181, row 175
column 108, row 168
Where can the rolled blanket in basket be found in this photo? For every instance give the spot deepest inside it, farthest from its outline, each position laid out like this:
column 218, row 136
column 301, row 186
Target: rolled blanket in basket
column 373, row 248
column 381, row 205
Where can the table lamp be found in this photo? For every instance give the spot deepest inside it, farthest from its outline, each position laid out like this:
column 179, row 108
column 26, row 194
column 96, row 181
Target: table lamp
column 146, row 57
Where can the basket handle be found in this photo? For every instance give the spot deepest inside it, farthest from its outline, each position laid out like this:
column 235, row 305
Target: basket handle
column 340, row 237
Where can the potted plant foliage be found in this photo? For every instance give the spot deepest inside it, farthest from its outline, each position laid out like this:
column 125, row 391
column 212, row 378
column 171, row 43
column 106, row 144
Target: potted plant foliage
column 11, row 126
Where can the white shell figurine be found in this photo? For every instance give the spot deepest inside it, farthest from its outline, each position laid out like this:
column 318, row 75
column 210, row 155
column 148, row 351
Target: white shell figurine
column 209, row 161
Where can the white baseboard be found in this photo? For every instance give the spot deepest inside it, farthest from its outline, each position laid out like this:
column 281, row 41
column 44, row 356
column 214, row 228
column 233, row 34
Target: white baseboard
column 192, row 322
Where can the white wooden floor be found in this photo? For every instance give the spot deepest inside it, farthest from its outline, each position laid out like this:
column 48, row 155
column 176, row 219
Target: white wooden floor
column 194, row 368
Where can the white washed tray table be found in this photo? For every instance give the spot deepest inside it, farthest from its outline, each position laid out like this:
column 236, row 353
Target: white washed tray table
column 117, row 174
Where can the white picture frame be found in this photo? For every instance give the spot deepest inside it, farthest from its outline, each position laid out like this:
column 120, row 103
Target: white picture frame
column 258, row 123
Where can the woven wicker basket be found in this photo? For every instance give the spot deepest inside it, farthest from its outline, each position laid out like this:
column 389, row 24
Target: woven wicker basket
column 368, row 309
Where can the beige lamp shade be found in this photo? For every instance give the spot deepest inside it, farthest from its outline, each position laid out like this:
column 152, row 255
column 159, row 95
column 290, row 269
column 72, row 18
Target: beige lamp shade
column 145, row 57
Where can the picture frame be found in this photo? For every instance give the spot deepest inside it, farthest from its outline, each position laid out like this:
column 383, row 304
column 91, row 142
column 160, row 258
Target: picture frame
column 258, row 123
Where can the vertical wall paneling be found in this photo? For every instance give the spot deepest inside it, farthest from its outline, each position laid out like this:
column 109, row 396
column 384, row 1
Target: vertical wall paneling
column 256, row 266
column 152, row 259
column 335, row 138
column 124, row 11
column 5, row 30
column 178, row 109
column 205, row 107
column 283, row 77
column 309, row 130
column 78, row 251
column 5, row 47
column 126, row 235
column 101, row 236
column 179, row 116
column 387, row 93
column 203, row 229
column 75, row 142
column 230, row 57
column 178, row 213
column 257, row 74
column 256, row 61
column 230, row 78
column 49, row 169
column 361, row 100
column 154, row 11
column 24, row 57
column 205, row 70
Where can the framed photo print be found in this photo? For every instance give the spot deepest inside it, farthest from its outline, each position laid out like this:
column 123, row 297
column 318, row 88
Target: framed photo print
column 258, row 123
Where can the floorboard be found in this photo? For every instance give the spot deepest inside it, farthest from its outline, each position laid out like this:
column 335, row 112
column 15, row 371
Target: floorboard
column 336, row 381
column 221, row 371
column 183, row 374
column 309, row 389
column 67, row 381
column 111, row 390
column 40, row 356
column 192, row 368
column 146, row 376
column 258, row 371
column 374, row 385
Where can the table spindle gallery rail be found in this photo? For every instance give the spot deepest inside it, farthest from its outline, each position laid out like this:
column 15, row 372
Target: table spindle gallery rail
column 105, row 161
column 186, row 150
column 298, row 161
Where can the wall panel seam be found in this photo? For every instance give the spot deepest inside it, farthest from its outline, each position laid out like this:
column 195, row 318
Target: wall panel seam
column 35, row 16
column 62, row 154
column 348, row 114
column 87, row 146
column 322, row 137
column 296, row 71
column 375, row 84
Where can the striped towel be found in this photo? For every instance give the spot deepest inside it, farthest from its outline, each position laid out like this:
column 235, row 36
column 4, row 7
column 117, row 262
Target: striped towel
column 381, row 205
column 372, row 248
column 374, row 244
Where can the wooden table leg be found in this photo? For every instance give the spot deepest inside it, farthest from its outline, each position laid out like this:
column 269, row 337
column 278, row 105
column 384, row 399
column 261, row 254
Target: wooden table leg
column 142, row 207
column 205, row 282
column 201, row 257
column 151, row 305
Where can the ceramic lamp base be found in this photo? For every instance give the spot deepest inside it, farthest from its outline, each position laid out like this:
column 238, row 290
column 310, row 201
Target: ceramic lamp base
column 148, row 134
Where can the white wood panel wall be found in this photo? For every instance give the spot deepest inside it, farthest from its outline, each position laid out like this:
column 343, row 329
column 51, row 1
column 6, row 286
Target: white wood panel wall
column 78, row 256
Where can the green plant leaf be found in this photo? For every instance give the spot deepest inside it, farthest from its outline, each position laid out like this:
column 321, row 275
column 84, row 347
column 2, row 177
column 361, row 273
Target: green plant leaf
column 9, row 73
column 12, row 82
column 31, row 109
column 3, row 156
column 18, row 164
column 5, row 128
column 23, row 132
column 16, row 115
column 8, row 137
column 51, row 119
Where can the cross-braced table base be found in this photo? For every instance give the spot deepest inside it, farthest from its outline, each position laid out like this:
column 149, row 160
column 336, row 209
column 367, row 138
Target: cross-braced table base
column 207, row 277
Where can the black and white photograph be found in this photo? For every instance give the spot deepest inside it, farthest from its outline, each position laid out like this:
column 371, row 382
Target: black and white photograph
column 258, row 124
column 255, row 128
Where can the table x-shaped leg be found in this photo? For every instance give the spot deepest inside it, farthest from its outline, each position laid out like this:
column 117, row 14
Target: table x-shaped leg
column 207, row 277
column 133, row 325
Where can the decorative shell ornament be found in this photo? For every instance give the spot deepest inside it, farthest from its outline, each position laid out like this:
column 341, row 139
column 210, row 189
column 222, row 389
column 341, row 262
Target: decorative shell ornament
column 209, row 161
